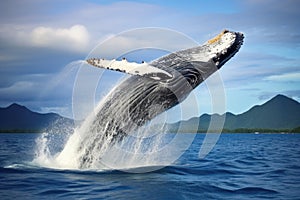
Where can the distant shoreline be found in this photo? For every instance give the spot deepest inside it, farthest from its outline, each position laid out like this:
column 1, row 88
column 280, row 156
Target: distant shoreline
column 243, row 130
column 280, row 114
column 20, row 131
column 254, row 131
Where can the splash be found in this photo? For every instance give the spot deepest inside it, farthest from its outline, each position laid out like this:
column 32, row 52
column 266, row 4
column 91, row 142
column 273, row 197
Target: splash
column 123, row 132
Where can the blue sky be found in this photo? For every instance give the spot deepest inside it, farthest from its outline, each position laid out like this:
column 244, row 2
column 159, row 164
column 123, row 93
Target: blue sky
column 38, row 40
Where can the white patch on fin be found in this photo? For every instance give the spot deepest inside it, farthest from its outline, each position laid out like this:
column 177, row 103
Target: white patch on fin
column 133, row 68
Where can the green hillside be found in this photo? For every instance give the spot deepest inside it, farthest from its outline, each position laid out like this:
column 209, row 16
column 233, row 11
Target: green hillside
column 17, row 118
column 279, row 113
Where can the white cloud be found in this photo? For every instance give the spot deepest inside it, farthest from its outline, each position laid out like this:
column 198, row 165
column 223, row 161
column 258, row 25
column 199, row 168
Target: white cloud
column 142, row 38
column 18, row 90
column 7, row 58
column 62, row 110
column 75, row 38
column 288, row 77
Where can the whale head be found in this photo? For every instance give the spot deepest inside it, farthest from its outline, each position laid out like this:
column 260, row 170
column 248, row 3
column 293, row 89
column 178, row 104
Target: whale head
column 222, row 47
column 216, row 51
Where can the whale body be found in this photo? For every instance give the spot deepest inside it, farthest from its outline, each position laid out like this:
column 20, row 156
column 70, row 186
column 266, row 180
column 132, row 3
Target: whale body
column 153, row 88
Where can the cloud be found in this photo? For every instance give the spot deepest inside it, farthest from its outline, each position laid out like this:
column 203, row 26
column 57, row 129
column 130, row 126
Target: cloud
column 248, row 68
column 71, row 39
column 75, row 38
column 22, row 90
column 7, row 58
column 290, row 77
column 295, row 94
column 142, row 38
column 270, row 22
column 287, row 77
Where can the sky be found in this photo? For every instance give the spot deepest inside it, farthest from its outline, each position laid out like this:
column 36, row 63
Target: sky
column 41, row 40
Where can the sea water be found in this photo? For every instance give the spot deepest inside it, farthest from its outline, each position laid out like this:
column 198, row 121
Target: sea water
column 241, row 166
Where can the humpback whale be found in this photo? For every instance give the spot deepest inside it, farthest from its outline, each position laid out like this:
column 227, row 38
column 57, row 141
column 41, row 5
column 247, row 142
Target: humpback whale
column 152, row 88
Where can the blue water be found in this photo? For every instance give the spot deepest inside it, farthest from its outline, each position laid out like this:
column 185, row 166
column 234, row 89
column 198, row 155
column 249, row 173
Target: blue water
column 241, row 166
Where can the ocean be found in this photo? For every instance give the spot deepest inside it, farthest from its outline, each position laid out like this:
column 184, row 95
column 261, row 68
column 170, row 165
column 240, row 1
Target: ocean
column 241, row 166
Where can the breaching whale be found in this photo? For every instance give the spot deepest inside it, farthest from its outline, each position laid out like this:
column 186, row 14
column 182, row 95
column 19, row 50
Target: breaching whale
column 153, row 88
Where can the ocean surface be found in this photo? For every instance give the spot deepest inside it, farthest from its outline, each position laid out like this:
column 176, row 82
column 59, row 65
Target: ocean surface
column 241, row 166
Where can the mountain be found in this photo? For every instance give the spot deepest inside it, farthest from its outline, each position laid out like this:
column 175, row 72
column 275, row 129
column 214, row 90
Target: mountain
column 16, row 118
column 279, row 113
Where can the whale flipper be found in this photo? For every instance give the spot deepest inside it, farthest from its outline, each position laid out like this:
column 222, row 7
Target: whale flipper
column 143, row 69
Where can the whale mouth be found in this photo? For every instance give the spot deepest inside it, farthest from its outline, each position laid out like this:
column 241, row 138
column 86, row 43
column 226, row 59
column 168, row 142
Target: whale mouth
column 221, row 58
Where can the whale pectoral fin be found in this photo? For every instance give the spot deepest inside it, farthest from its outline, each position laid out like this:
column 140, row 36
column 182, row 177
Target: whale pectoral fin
column 143, row 69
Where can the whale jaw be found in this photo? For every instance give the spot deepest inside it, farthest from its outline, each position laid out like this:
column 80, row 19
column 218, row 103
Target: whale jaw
column 224, row 55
